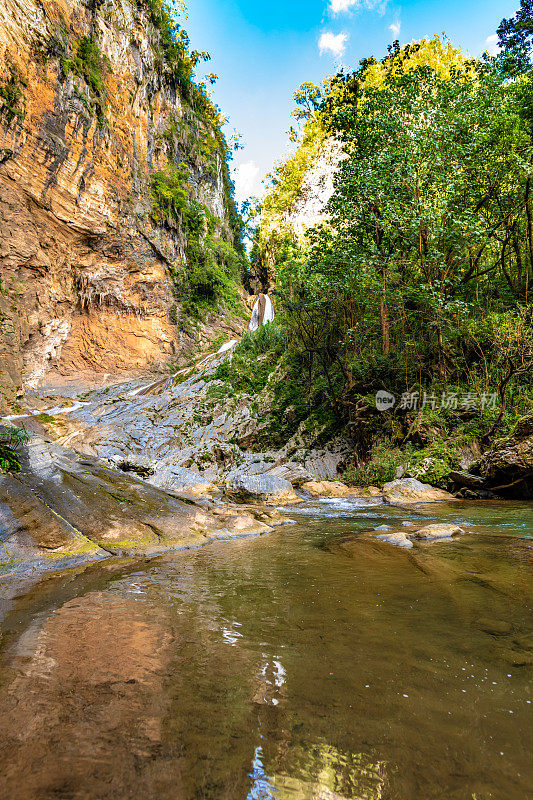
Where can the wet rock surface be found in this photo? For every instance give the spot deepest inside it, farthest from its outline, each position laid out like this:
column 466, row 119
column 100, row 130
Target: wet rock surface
column 400, row 539
column 63, row 504
column 438, row 530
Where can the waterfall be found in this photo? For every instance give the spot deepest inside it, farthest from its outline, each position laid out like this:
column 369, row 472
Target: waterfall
column 262, row 313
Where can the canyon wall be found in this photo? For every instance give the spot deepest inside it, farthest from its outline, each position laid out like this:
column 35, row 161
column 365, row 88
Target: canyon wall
column 88, row 278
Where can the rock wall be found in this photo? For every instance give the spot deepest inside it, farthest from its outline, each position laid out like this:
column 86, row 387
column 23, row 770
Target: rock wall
column 85, row 291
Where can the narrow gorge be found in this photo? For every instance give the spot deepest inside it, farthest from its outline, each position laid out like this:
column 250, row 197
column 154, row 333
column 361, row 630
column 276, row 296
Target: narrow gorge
column 344, row 363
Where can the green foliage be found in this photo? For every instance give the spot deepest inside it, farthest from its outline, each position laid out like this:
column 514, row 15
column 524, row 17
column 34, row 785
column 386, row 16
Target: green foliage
column 215, row 256
column 12, row 97
column 381, row 467
column 170, row 192
column 287, row 177
column 254, row 360
column 515, row 37
column 421, row 279
column 44, row 417
column 213, row 272
column 11, row 441
column 213, row 266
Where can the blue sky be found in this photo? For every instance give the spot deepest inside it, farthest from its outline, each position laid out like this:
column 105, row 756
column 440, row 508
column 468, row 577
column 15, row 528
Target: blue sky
column 262, row 52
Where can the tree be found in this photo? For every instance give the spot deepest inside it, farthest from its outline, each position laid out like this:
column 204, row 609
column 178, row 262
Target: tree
column 308, row 99
column 515, row 37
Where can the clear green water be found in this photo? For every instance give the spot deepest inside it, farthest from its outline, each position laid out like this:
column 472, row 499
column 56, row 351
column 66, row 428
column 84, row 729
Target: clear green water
column 314, row 662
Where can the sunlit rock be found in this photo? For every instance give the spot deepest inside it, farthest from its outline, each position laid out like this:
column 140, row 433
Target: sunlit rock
column 409, row 490
column 180, row 479
column 327, row 488
column 437, row 531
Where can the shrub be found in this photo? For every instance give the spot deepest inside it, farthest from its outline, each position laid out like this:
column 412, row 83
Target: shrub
column 380, row 469
column 11, row 94
column 11, row 441
column 170, row 194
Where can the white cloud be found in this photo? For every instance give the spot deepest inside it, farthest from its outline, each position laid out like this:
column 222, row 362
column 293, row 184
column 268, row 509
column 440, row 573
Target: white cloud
column 338, row 6
column 492, row 44
column 342, row 6
column 331, row 43
column 395, row 28
column 245, row 177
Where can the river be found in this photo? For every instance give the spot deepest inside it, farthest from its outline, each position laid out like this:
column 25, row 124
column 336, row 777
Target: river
column 313, row 662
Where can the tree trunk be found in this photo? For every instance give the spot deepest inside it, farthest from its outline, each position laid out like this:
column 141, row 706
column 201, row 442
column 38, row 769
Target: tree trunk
column 384, row 316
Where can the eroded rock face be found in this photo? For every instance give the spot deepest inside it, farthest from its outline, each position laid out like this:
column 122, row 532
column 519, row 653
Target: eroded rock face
column 180, row 479
column 86, row 294
column 409, row 490
column 508, row 466
column 62, row 504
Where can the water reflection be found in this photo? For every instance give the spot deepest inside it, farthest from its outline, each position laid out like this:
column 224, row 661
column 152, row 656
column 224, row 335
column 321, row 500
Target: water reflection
column 312, row 663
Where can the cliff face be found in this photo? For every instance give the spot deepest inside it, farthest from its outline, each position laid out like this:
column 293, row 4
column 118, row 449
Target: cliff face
column 86, row 118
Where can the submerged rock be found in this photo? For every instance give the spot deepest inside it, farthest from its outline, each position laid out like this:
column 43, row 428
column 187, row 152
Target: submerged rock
column 437, row 530
column 399, row 539
column 495, row 627
column 409, row 490
column 265, row 488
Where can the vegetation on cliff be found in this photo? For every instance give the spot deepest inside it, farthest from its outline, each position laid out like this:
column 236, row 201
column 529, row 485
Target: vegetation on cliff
column 12, row 97
column 419, row 281
column 215, row 259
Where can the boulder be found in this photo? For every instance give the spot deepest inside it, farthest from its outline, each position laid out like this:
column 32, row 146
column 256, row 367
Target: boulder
column 438, row 530
column 327, row 488
column 260, row 488
column 289, row 470
column 180, row 479
column 462, row 478
column 508, row 466
column 409, row 490
column 398, row 538
column 367, row 491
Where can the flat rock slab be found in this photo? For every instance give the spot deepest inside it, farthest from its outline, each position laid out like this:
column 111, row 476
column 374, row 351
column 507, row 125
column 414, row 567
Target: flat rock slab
column 180, row 479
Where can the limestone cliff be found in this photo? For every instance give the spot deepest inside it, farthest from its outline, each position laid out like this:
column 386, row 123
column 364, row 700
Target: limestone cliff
column 87, row 117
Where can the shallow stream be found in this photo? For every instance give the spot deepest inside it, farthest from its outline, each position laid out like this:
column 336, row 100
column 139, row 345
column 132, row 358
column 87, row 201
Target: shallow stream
column 313, row 662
